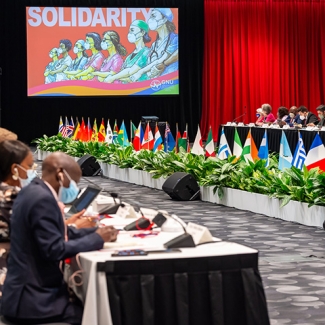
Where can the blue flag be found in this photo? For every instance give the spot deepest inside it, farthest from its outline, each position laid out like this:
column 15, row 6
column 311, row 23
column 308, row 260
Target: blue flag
column 263, row 152
column 169, row 143
column 224, row 151
column 285, row 156
column 299, row 156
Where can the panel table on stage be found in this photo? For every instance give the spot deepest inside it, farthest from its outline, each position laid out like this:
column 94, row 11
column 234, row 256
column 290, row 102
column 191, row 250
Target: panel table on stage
column 214, row 283
column 273, row 135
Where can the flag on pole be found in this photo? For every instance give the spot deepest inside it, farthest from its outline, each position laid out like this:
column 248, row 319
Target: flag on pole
column 316, row 154
column 115, row 132
column 197, row 148
column 238, row 147
column 137, row 138
column 263, row 152
column 76, row 132
column 169, row 140
column 178, row 137
column 250, row 152
column 109, row 133
column 224, row 150
column 285, row 155
column 61, row 125
column 183, row 142
column 299, row 156
column 101, row 132
column 122, row 137
column 89, row 130
column 94, row 134
column 148, row 140
column 158, row 140
column 83, row 133
column 70, row 128
column 209, row 146
column 133, row 130
column 65, row 128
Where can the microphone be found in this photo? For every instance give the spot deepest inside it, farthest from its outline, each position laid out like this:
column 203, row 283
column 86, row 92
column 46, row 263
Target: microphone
column 184, row 240
column 238, row 117
column 142, row 223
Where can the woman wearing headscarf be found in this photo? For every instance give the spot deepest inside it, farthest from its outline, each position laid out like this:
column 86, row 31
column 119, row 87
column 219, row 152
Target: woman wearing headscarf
column 138, row 35
column 114, row 61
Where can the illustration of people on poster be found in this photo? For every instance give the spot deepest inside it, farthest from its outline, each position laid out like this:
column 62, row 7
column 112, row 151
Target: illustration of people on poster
column 102, row 51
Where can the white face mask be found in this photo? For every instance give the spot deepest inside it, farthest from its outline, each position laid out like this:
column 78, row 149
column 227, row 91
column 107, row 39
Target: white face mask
column 153, row 23
column 75, row 50
column 104, row 45
column 292, row 115
column 60, row 51
column 132, row 38
column 87, row 46
column 302, row 117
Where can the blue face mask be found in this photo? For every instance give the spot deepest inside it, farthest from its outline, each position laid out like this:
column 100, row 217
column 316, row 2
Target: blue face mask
column 31, row 174
column 68, row 194
column 258, row 115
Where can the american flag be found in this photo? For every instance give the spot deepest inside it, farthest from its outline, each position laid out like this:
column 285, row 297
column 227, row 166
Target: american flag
column 65, row 130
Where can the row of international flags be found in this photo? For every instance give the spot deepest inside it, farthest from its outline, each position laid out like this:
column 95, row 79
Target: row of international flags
column 249, row 152
column 141, row 139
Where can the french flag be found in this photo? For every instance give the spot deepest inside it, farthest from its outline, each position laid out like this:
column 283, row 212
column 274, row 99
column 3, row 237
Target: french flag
column 316, row 154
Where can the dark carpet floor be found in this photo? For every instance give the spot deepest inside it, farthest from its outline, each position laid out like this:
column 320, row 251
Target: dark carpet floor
column 291, row 259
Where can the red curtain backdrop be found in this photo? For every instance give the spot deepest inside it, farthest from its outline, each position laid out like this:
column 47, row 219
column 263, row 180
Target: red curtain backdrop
column 256, row 52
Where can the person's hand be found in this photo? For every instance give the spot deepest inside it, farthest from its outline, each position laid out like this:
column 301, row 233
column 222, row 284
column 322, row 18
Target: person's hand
column 75, row 217
column 310, row 124
column 157, row 70
column 108, row 233
column 135, row 77
column 85, row 222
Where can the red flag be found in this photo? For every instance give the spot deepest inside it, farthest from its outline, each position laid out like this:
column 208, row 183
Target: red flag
column 82, row 132
column 137, row 138
column 101, row 132
column 148, row 139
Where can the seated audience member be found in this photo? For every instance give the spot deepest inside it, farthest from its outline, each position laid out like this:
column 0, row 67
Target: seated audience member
column 7, row 135
column 282, row 115
column 306, row 117
column 16, row 170
column 268, row 117
column 259, row 115
column 321, row 113
column 293, row 117
column 34, row 290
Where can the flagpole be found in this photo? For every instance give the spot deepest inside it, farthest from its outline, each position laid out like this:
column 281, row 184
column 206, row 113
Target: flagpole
column 187, row 140
column 176, row 137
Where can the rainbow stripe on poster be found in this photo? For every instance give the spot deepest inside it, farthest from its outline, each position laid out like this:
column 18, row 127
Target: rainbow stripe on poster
column 163, row 85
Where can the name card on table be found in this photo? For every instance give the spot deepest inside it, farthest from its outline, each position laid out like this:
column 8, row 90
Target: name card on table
column 126, row 212
column 275, row 126
column 309, row 128
column 228, row 123
column 199, row 233
column 240, row 124
column 251, row 124
column 287, row 126
column 265, row 126
column 233, row 124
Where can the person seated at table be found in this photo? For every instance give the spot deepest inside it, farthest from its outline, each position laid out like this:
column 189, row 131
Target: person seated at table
column 293, row 117
column 306, row 117
column 16, row 170
column 34, row 290
column 321, row 113
column 268, row 117
column 282, row 115
column 259, row 115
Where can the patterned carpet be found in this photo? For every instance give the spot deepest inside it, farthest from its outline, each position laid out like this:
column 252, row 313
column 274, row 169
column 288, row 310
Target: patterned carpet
column 292, row 257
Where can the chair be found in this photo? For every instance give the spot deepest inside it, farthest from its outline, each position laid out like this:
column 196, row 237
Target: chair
column 3, row 321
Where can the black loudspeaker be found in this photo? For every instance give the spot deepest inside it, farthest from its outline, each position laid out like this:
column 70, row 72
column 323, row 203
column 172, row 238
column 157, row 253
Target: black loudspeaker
column 89, row 165
column 181, row 186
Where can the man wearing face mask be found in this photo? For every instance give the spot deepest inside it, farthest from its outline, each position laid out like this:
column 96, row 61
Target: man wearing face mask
column 52, row 66
column 165, row 45
column 306, row 117
column 64, row 62
column 34, row 291
column 293, row 117
column 321, row 113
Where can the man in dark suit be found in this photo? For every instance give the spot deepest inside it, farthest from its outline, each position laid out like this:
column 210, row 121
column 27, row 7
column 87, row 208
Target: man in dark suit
column 34, row 290
column 321, row 114
column 306, row 117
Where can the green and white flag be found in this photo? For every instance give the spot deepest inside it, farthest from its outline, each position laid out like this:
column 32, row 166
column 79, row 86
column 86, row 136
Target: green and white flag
column 238, row 147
